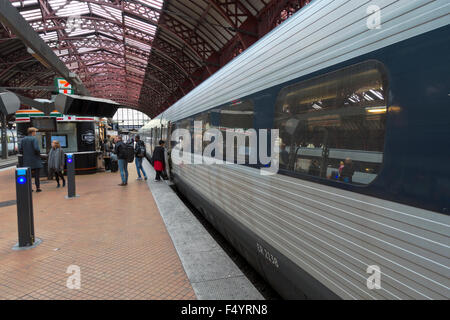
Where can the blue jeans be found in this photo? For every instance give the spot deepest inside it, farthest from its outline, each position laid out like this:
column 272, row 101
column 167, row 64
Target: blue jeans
column 139, row 167
column 123, row 167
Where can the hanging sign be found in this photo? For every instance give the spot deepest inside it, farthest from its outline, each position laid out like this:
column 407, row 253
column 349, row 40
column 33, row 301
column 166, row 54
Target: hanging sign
column 63, row 86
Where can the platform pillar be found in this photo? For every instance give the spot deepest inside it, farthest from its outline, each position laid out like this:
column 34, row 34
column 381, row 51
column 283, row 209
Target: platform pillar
column 25, row 218
column 71, row 187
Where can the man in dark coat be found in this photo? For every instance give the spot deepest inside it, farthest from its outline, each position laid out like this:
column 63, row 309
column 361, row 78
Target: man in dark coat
column 139, row 151
column 347, row 171
column 121, row 152
column 29, row 148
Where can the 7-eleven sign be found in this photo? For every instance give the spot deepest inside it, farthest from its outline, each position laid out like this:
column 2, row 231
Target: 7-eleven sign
column 63, row 86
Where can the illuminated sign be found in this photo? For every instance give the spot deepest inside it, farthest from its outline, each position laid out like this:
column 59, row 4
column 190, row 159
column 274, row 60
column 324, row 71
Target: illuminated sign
column 69, row 157
column 21, row 175
column 63, row 86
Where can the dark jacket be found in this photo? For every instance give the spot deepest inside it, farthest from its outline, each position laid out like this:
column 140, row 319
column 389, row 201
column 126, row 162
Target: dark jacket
column 120, row 150
column 139, row 144
column 29, row 148
column 347, row 173
column 158, row 155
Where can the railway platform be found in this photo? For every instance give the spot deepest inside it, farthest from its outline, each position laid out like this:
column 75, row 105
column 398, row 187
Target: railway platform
column 133, row 242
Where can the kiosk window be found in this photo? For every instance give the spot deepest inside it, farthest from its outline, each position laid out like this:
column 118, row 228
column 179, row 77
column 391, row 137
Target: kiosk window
column 333, row 126
column 61, row 138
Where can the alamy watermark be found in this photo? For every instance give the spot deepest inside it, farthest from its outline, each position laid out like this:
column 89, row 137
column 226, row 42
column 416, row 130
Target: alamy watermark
column 374, row 280
column 374, row 19
column 74, row 280
column 250, row 144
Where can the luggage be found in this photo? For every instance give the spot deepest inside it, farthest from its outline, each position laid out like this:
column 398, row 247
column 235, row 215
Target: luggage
column 140, row 149
column 130, row 152
column 114, row 165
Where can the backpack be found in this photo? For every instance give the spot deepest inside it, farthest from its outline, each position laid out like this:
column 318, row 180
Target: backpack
column 140, row 150
column 130, row 152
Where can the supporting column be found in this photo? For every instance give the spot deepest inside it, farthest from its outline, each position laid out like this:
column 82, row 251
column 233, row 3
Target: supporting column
column 4, row 136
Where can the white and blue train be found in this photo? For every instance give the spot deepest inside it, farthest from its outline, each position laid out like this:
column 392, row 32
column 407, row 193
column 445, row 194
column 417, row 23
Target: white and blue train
column 336, row 89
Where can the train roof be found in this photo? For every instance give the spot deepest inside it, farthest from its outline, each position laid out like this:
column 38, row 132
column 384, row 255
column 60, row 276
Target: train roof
column 157, row 121
column 318, row 36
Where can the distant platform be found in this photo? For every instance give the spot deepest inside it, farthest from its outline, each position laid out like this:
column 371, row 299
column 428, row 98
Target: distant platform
column 9, row 162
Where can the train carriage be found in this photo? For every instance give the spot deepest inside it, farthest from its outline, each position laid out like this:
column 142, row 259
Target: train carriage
column 338, row 91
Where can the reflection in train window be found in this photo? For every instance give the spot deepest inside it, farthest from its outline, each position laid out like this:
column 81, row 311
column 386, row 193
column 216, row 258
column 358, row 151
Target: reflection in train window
column 333, row 126
column 237, row 117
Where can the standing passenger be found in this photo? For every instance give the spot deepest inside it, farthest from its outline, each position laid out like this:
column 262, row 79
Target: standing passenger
column 29, row 148
column 139, row 151
column 348, row 171
column 158, row 160
column 108, row 150
column 56, row 162
column 121, row 152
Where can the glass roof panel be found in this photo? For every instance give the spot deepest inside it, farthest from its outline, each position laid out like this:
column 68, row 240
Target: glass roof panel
column 23, row 4
column 49, row 36
column 153, row 3
column 142, row 26
column 31, row 15
column 138, row 44
column 100, row 11
column 62, row 52
column 117, row 14
column 65, row 8
column 78, row 32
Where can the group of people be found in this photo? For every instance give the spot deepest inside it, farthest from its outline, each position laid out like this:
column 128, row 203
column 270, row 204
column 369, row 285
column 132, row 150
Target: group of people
column 31, row 153
column 116, row 148
column 119, row 153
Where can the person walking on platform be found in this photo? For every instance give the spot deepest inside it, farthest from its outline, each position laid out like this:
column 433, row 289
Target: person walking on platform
column 56, row 162
column 158, row 160
column 29, row 148
column 121, row 152
column 139, row 151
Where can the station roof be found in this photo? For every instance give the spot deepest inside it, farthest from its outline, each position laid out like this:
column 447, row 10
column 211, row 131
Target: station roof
column 144, row 54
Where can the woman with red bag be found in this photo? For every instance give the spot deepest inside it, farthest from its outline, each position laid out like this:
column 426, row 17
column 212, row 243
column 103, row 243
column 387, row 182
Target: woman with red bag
column 158, row 160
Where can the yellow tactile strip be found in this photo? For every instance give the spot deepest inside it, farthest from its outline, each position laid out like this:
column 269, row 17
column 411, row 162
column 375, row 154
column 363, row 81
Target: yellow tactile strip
column 114, row 234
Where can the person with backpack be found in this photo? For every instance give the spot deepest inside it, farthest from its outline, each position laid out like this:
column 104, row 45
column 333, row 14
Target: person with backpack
column 120, row 150
column 158, row 160
column 139, row 151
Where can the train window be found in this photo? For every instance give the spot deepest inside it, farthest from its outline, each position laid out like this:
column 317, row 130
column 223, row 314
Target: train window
column 204, row 118
column 187, row 124
column 238, row 115
column 333, row 126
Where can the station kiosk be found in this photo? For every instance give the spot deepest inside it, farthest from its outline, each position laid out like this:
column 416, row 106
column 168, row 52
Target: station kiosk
column 79, row 135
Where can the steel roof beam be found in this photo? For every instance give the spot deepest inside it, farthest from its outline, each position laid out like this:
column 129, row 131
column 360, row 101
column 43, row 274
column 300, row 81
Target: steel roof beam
column 10, row 17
